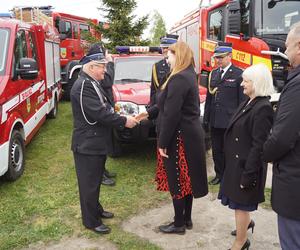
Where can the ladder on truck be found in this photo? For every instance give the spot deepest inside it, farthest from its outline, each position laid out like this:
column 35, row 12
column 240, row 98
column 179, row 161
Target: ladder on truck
column 33, row 15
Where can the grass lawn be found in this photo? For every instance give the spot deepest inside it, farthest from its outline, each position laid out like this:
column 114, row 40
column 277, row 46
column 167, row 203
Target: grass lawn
column 43, row 205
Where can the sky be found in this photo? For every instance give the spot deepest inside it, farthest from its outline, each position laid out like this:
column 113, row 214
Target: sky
column 171, row 10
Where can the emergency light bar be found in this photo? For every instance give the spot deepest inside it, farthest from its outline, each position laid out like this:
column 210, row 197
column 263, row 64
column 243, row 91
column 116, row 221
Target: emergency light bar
column 137, row 49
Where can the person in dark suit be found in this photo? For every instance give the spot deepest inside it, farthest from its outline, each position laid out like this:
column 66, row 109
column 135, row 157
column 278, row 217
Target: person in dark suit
column 242, row 186
column 93, row 116
column 161, row 69
column 181, row 163
column 223, row 97
column 107, row 84
column 283, row 149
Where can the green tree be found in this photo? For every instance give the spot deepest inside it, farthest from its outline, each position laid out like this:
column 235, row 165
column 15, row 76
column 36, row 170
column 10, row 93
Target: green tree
column 158, row 28
column 124, row 28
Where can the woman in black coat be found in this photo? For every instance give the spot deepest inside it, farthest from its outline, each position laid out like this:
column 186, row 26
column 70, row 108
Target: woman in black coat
column 242, row 186
column 181, row 165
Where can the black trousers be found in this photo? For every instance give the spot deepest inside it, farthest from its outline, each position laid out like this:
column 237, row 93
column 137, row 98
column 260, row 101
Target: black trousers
column 183, row 210
column 217, row 144
column 89, row 170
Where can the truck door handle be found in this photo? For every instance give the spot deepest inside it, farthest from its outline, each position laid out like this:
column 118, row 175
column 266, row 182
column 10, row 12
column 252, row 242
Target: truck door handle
column 73, row 53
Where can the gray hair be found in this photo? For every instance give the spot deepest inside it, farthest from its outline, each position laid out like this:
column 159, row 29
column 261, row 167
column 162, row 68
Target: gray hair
column 295, row 28
column 261, row 78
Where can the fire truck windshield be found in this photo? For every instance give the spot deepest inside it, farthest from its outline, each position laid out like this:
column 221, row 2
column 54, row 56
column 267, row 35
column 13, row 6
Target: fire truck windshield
column 134, row 68
column 4, row 38
column 275, row 17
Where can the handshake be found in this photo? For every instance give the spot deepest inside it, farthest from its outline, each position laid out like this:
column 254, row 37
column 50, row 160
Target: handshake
column 132, row 121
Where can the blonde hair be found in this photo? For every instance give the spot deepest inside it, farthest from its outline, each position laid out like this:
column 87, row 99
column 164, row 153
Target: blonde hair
column 184, row 57
column 261, row 78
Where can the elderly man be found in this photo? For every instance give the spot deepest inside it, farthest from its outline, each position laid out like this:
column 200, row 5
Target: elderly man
column 223, row 97
column 283, row 149
column 93, row 117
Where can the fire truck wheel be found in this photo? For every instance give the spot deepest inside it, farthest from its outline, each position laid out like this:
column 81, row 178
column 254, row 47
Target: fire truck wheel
column 67, row 90
column 16, row 156
column 53, row 112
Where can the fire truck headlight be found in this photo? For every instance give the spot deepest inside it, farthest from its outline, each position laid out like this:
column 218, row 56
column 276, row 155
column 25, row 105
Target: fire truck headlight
column 127, row 108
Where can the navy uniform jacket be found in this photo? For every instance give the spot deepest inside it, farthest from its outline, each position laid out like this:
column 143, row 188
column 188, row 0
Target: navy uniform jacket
column 160, row 72
column 223, row 97
column 92, row 139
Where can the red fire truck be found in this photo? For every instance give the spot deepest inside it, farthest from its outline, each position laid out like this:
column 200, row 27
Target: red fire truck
column 257, row 30
column 72, row 30
column 29, row 88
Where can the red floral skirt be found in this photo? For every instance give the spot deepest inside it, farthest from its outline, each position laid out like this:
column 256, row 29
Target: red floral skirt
column 184, row 178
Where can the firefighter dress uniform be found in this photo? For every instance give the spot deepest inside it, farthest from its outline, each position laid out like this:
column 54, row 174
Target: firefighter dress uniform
column 93, row 118
column 223, row 97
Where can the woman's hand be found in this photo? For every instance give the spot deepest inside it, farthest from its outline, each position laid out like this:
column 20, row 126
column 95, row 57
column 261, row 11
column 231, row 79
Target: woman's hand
column 142, row 116
column 163, row 152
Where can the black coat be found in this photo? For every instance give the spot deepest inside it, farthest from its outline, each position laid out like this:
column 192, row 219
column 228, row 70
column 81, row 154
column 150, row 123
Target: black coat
column 92, row 139
column 179, row 115
column 283, row 149
column 220, row 107
column 244, row 139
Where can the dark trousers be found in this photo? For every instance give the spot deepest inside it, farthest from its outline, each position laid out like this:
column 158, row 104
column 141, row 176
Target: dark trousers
column 183, row 210
column 217, row 145
column 289, row 232
column 89, row 170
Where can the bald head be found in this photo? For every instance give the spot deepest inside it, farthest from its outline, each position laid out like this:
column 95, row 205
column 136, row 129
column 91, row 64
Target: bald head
column 293, row 45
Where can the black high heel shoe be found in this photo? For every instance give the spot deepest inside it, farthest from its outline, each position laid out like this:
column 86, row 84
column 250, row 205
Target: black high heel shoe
column 245, row 246
column 251, row 225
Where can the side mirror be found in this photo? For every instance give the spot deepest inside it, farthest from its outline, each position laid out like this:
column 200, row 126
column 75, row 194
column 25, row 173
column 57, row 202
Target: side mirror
column 62, row 28
column 27, row 68
column 234, row 17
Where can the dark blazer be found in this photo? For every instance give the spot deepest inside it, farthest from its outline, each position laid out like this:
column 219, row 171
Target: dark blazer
column 179, row 115
column 161, row 69
column 108, row 81
column 92, row 139
column 283, row 149
column 243, row 145
column 220, row 107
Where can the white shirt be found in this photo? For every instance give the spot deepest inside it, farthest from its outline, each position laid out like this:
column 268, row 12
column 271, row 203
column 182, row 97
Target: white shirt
column 225, row 70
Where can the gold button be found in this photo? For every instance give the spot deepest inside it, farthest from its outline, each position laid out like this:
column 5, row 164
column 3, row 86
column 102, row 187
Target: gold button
column 236, row 139
column 236, row 156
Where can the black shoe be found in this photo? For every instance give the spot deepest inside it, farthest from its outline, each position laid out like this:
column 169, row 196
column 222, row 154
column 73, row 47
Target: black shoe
column 215, row 181
column 110, row 174
column 106, row 215
column 171, row 229
column 251, row 225
column 245, row 246
column 107, row 181
column 189, row 224
column 102, row 229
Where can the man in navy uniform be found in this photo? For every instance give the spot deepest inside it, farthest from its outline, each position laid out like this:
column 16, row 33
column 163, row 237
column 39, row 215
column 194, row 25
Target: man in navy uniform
column 93, row 117
column 161, row 69
column 223, row 97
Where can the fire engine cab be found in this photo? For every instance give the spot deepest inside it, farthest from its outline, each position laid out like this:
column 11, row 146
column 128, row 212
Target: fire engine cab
column 257, row 30
column 72, row 32
column 29, row 88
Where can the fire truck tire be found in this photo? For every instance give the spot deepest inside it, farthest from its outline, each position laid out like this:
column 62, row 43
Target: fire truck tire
column 53, row 113
column 16, row 156
column 67, row 90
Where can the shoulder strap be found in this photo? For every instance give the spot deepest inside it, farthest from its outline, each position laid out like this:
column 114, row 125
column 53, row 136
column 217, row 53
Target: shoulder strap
column 214, row 90
column 155, row 76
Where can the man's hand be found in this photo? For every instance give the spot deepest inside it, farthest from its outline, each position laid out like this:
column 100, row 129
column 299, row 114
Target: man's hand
column 163, row 152
column 142, row 116
column 108, row 56
column 131, row 122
